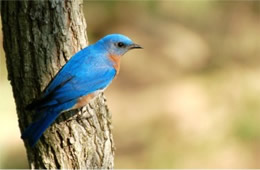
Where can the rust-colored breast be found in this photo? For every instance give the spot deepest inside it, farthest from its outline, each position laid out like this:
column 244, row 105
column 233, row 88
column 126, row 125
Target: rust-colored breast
column 83, row 101
column 116, row 62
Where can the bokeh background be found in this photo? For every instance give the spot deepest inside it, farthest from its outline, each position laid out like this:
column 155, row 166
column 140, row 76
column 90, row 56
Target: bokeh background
column 190, row 99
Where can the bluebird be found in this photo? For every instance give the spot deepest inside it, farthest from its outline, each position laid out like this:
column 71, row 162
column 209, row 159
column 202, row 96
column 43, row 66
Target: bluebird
column 88, row 73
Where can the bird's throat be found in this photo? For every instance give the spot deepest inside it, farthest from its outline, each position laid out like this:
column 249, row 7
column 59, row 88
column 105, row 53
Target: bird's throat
column 116, row 62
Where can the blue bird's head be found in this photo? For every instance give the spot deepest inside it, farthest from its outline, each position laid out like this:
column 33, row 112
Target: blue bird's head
column 117, row 44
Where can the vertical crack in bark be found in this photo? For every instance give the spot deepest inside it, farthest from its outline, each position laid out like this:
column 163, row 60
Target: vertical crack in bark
column 34, row 74
column 57, row 164
column 20, row 50
column 60, row 139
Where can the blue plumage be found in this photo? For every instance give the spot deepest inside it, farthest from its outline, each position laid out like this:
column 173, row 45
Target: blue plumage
column 89, row 71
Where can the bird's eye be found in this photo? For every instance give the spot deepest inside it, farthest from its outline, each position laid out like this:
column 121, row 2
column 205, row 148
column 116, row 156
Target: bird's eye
column 120, row 44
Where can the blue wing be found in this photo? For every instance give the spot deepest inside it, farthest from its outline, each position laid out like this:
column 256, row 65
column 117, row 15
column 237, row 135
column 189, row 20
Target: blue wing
column 82, row 75
column 78, row 85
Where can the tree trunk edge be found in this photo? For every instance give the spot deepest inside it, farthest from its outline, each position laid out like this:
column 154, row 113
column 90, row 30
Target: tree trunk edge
column 39, row 37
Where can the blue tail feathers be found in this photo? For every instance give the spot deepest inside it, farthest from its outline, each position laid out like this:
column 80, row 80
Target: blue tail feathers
column 33, row 133
column 45, row 118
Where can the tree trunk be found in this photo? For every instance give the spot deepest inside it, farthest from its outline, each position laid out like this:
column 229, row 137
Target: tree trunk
column 39, row 37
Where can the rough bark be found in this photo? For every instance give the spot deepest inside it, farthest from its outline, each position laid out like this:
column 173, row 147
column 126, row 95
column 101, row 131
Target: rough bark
column 39, row 37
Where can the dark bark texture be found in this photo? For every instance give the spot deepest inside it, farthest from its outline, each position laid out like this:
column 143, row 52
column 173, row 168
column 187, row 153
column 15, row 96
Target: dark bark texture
column 39, row 37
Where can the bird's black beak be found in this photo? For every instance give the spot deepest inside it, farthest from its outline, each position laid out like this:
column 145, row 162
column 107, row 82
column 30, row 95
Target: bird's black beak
column 135, row 46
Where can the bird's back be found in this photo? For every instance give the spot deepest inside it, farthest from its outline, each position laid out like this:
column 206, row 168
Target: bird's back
column 87, row 71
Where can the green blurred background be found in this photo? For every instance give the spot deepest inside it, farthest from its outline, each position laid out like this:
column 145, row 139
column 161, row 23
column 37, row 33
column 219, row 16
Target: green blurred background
column 190, row 99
